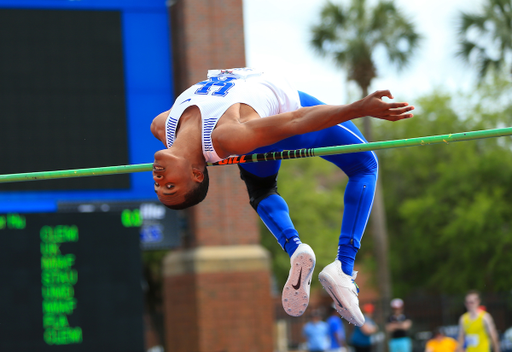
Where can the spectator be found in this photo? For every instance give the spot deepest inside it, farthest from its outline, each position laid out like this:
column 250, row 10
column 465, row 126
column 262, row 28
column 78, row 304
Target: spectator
column 398, row 326
column 440, row 343
column 316, row 332
column 361, row 337
column 476, row 327
column 336, row 331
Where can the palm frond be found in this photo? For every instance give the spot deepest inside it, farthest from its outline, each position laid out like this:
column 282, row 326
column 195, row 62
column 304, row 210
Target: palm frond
column 332, row 15
column 485, row 38
column 357, row 11
column 398, row 35
column 398, row 57
column 322, row 36
column 340, row 58
column 467, row 20
column 381, row 14
column 466, row 47
column 485, row 64
column 351, row 34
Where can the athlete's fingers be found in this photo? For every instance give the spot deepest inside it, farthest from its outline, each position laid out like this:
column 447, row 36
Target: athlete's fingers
column 397, row 105
column 401, row 117
column 383, row 93
column 395, row 115
column 398, row 111
column 397, row 118
column 392, row 113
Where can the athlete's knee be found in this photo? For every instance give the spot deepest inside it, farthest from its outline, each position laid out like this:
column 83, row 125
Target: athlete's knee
column 366, row 164
column 373, row 164
column 258, row 188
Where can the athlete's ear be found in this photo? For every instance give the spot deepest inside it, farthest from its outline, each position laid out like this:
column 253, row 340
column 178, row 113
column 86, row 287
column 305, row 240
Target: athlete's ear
column 197, row 175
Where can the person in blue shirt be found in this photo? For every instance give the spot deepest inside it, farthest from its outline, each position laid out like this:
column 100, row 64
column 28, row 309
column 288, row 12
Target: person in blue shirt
column 316, row 333
column 361, row 337
column 336, row 331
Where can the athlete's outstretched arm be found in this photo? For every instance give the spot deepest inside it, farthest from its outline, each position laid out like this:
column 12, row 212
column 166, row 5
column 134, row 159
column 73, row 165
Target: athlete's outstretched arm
column 245, row 137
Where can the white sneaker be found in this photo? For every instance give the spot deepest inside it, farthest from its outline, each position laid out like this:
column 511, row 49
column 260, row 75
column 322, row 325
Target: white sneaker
column 295, row 296
column 343, row 290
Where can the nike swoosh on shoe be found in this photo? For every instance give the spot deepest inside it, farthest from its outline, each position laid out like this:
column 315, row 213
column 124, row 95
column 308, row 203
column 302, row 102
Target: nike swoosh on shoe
column 295, row 297
column 298, row 281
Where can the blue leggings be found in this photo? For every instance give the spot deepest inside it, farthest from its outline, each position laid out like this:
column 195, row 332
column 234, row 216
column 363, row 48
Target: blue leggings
column 361, row 168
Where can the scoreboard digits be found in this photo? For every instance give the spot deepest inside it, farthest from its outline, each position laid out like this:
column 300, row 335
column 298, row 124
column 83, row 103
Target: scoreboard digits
column 70, row 279
column 58, row 278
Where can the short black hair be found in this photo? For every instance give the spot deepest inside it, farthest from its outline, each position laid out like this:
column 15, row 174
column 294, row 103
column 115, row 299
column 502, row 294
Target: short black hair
column 195, row 196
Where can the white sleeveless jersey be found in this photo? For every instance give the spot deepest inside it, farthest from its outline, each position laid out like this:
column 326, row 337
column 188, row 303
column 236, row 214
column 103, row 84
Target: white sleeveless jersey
column 267, row 95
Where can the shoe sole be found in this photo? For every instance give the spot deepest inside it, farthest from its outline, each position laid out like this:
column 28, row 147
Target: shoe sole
column 295, row 296
column 340, row 301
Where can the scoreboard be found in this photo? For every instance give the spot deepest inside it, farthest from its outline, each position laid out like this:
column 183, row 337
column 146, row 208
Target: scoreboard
column 70, row 279
column 80, row 82
column 74, row 277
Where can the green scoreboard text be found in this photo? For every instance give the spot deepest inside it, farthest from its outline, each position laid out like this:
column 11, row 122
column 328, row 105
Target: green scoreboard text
column 71, row 282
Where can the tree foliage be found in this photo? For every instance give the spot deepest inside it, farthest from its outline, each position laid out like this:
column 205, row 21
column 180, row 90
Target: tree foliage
column 354, row 36
column 449, row 207
column 485, row 38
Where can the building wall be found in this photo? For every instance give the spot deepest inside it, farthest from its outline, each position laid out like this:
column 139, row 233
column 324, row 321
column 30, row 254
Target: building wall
column 217, row 294
column 206, row 35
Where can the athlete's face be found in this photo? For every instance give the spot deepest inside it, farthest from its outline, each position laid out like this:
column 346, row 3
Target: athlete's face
column 173, row 177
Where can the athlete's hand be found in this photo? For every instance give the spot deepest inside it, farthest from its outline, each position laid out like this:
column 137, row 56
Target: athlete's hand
column 374, row 106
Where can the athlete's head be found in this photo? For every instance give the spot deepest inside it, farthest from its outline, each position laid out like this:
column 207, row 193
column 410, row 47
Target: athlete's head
column 178, row 183
column 194, row 196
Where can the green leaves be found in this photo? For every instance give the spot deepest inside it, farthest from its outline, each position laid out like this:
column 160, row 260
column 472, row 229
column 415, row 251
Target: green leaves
column 449, row 207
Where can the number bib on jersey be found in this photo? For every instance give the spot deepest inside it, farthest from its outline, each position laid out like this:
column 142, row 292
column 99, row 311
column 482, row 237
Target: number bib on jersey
column 472, row 340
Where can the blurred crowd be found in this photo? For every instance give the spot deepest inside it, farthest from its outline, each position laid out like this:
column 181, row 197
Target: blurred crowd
column 475, row 332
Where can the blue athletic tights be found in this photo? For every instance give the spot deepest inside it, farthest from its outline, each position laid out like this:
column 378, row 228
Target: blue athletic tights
column 361, row 168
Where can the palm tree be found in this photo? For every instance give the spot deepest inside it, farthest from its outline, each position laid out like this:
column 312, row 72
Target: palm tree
column 485, row 39
column 351, row 36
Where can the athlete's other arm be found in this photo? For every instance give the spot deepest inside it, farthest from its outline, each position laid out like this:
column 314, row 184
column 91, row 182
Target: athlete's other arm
column 491, row 330
column 242, row 138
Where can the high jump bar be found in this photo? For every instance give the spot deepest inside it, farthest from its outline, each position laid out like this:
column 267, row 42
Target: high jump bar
column 262, row 157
